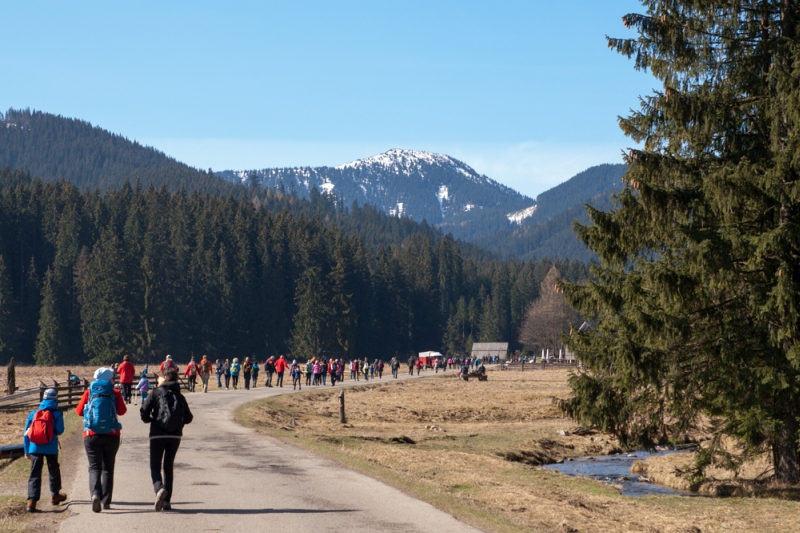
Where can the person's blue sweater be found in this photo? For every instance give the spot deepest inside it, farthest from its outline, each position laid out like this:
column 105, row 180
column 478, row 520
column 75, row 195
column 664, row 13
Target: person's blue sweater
column 50, row 448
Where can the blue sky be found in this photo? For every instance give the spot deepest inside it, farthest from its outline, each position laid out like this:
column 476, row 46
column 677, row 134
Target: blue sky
column 526, row 92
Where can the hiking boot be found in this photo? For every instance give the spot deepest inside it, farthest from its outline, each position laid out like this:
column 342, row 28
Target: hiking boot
column 106, row 506
column 30, row 506
column 96, row 506
column 55, row 499
column 162, row 494
column 167, row 506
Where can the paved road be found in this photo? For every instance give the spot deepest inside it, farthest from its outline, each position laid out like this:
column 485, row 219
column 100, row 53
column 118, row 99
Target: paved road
column 229, row 478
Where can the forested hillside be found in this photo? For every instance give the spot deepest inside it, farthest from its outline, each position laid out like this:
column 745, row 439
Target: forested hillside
column 87, row 276
column 54, row 147
column 548, row 231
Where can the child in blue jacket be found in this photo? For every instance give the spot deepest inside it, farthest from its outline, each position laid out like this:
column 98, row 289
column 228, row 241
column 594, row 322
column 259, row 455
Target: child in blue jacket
column 37, row 454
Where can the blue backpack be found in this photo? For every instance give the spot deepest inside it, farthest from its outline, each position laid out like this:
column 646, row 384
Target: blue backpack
column 100, row 413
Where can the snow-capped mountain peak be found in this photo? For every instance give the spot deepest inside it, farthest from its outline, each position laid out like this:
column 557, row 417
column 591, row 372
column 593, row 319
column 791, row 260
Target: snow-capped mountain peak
column 398, row 158
column 416, row 184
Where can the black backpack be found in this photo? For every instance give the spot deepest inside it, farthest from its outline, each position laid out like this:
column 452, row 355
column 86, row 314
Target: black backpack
column 171, row 411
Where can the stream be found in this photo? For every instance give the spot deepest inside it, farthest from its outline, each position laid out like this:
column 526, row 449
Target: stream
column 616, row 469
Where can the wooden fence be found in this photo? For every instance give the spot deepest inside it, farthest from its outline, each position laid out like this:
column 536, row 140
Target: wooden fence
column 523, row 366
column 69, row 392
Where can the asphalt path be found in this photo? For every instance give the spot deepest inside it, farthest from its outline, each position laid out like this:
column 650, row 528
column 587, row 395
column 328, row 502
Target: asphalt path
column 230, row 478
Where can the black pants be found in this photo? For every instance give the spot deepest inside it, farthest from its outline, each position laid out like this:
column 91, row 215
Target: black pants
column 162, row 451
column 255, row 379
column 126, row 392
column 227, row 380
column 235, row 381
column 35, row 481
column 279, row 379
column 247, row 381
column 192, row 383
column 101, row 450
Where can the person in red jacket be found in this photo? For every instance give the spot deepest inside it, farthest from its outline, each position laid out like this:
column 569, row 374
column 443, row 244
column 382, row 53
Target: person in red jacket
column 280, row 368
column 101, row 449
column 126, row 372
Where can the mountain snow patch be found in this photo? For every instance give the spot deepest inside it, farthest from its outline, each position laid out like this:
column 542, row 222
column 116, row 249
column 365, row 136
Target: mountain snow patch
column 327, row 186
column 398, row 211
column 518, row 216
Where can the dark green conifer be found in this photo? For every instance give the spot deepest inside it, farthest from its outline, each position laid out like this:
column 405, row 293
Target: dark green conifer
column 697, row 297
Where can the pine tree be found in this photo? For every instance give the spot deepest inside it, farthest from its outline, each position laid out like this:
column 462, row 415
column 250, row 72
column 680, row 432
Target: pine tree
column 108, row 326
column 311, row 332
column 6, row 315
column 697, row 296
column 52, row 339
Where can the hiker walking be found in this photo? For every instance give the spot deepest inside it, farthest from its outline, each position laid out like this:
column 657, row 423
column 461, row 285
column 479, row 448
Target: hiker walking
column 226, row 371
column 317, row 371
column 365, row 369
column 418, row 364
column 167, row 412
column 205, row 372
column 126, row 372
column 333, row 371
column 379, row 368
column 395, row 364
column 144, row 385
column 254, row 372
column 219, row 370
column 191, row 373
column 235, row 369
column 40, row 443
column 100, row 406
column 294, row 371
column 309, row 370
column 411, row 365
column 247, row 370
column 323, row 370
column 280, row 368
column 269, row 368
column 168, row 363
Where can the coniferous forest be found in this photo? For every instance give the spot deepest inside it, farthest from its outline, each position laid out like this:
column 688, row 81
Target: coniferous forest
column 87, row 276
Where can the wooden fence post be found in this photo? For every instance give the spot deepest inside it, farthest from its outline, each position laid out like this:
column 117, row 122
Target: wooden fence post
column 342, row 418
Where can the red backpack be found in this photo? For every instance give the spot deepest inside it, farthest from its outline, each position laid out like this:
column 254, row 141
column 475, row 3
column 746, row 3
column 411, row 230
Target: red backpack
column 42, row 428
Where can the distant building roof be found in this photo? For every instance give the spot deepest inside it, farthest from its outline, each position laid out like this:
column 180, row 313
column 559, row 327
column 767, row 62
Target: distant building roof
column 489, row 349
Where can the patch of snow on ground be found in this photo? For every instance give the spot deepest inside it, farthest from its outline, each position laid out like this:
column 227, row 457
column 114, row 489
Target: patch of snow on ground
column 518, row 216
column 469, row 207
column 327, row 186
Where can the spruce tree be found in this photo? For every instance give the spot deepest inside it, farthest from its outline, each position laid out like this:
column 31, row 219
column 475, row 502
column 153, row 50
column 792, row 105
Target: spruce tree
column 311, row 332
column 52, row 338
column 6, row 315
column 697, row 295
column 108, row 327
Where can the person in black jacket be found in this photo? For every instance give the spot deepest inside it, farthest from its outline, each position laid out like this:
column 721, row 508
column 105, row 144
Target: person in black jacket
column 167, row 412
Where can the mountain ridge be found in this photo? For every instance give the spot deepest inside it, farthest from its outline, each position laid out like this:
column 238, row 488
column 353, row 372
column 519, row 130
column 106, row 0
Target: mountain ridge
column 418, row 184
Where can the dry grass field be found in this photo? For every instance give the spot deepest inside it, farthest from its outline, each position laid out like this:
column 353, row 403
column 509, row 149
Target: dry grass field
column 480, row 460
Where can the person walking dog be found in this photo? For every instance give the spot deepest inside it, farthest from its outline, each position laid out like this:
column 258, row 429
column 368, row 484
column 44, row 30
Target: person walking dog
column 40, row 443
column 167, row 412
column 100, row 406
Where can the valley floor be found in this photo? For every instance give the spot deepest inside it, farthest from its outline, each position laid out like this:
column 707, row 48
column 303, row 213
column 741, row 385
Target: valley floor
column 472, row 448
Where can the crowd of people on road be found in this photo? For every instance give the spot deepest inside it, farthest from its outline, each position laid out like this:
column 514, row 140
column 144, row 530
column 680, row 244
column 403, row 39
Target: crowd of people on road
column 166, row 410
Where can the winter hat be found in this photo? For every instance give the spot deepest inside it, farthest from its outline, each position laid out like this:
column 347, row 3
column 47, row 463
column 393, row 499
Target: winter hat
column 104, row 373
column 294, row 361
column 50, row 394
